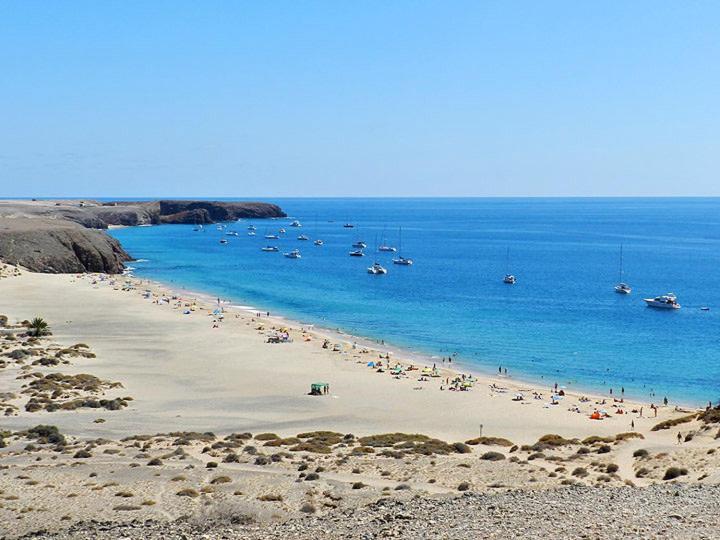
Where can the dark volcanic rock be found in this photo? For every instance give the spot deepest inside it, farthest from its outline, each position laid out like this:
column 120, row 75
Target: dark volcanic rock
column 217, row 211
column 58, row 246
column 196, row 215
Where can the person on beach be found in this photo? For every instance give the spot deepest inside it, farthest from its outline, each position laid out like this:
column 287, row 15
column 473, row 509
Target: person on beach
column 665, row 400
column 632, row 425
column 679, row 438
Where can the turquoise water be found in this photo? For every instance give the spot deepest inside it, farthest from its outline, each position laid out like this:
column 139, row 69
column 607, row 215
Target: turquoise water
column 561, row 321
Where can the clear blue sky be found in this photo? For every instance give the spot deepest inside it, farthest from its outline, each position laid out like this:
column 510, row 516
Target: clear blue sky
column 355, row 98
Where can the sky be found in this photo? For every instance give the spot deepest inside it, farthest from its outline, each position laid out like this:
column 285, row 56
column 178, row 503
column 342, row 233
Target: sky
column 359, row 98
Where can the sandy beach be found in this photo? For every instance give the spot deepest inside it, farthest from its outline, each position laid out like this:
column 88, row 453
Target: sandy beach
column 185, row 371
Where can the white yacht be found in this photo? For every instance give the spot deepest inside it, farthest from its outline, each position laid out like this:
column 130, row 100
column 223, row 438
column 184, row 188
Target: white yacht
column 303, row 237
column 622, row 287
column 296, row 223
column 387, row 248
column 271, row 237
column 376, row 269
column 360, row 245
column 282, row 231
column 231, row 233
column 251, row 227
column 251, row 233
column 357, row 253
column 294, row 254
column 318, row 242
column 666, row 301
column 270, row 249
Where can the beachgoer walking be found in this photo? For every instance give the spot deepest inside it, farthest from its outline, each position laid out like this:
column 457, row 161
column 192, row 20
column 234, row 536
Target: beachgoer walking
column 665, row 400
column 632, row 425
column 679, row 438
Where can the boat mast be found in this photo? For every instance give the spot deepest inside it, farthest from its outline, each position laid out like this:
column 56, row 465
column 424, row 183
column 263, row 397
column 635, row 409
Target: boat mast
column 621, row 263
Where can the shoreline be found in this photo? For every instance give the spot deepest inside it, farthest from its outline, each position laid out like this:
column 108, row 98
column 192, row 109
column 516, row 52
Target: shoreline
column 423, row 358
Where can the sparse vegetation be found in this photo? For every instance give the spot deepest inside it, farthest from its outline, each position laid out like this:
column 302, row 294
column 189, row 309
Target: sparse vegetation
column 667, row 424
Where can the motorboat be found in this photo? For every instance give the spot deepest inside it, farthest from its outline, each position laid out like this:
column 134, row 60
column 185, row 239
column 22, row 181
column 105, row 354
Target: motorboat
column 251, row 227
column 270, row 249
column 282, row 231
column 271, row 236
column 251, row 233
column 231, row 233
column 666, row 301
column 348, row 226
column 357, row 253
column 303, row 237
column 387, row 248
column 376, row 269
column 318, row 242
column 294, row 254
column 509, row 279
column 296, row 223
column 220, row 227
column 623, row 288
column 359, row 245
column 223, row 241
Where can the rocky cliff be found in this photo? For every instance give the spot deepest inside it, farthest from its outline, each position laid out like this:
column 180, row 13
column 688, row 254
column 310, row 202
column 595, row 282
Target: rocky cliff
column 59, row 236
column 59, row 246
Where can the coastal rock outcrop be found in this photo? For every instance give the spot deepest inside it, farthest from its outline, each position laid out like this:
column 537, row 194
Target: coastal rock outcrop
column 59, row 236
column 59, row 246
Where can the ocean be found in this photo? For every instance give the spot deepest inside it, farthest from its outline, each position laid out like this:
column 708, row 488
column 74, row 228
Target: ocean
column 561, row 322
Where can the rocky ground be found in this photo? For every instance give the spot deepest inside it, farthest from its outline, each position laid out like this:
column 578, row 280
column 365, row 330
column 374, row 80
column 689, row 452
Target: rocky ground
column 688, row 511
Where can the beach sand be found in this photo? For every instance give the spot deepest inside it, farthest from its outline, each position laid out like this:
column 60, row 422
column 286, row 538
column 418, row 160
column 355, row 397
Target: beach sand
column 195, row 373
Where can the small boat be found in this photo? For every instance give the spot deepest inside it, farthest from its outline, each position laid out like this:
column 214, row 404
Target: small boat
column 296, row 223
column 271, row 236
column 318, row 242
column 376, row 269
column 270, row 249
column 704, row 308
column 251, row 233
column 282, row 231
column 251, row 227
column 359, row 245
column 294, row 254
column 403, row 261
column 223, row 241
column 348, row 226
column 357, row 253
column 303, row 237
column 666, row 301
column 622, row 287
column 384, row 247
column 509, row 278
column 231, row 233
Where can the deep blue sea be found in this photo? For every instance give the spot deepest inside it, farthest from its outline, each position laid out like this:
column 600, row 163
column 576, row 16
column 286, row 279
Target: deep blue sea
column 562, row 321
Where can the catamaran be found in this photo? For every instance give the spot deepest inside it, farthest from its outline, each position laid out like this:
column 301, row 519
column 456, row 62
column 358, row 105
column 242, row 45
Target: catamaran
column 509, row 278
column 294, row 254
column 357, row 253
column 666, row 301
column 404, row 261
column 622, row 287
column 376, row 269
column 384, row 246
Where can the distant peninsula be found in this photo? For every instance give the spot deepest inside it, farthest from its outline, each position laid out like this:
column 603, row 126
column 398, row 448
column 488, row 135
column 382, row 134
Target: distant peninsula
column 67, row 236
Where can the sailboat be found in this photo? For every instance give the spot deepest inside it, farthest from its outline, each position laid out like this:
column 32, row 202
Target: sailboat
column 509, row 278
column 622, row 287
column 400, row 259
column 384, row 246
